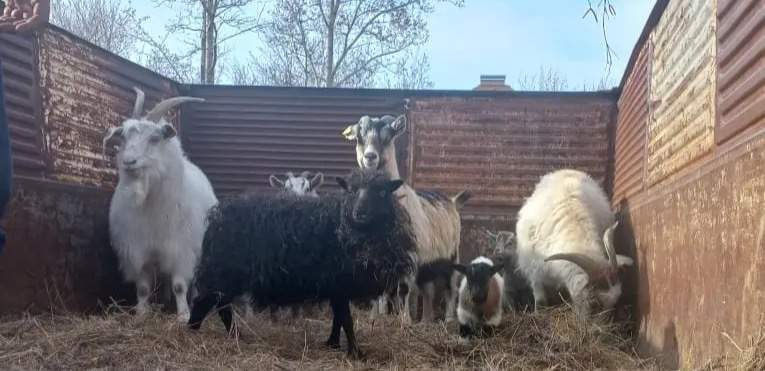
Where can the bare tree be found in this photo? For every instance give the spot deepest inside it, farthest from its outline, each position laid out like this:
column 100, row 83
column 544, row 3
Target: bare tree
column 606, row 10
column 410, row 71
column 548, row 79
column 207, row 25
column 341, row 42
column 110, row 24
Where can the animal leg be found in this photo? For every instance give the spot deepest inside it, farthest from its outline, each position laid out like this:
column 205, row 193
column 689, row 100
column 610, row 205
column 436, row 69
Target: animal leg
column 143, row 290
column 406, row 312
column 451, row 298
column 347, row 323
column 428, row 297
column 334, row 336
column 179, row 289
column 226, row 315
column 540, row 296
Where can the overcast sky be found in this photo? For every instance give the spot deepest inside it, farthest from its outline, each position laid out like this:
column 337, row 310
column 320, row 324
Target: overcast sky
column 510, row 37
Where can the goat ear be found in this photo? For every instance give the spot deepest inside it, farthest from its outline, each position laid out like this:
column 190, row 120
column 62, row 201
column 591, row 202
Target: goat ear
column 393, row 185
column 112, row 135
column 399, row 126
column 275, row 182
column 317, row 181
column 460, row 268
column 168, row 131
column 343, row 184
column 623, row 261
column 350, row 132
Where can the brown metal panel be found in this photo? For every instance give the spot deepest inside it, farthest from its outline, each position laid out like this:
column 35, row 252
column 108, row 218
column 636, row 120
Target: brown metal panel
column 58, row 254
column 682, row 88
column 700, row 248
column 86, row 90
column 241, row 135
column 18, row 56
column 741, row 67
column 499, row 147
column 631, row 130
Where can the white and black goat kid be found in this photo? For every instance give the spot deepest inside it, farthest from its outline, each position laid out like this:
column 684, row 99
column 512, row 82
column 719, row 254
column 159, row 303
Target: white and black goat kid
column 480, row 297
column 302, row 185
column 158, row 210
column 435, row 217
column 565, row 241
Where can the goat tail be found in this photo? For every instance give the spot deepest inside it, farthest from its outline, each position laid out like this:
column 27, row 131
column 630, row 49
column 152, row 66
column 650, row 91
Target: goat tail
column 461, row 198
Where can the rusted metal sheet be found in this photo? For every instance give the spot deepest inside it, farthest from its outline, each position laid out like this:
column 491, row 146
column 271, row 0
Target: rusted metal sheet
column 241, row 135
column 682, row 88
column 58, row 254
column 86, row 90
column 740, row 66
column 22, row 99
column 631, row 129
column 701, row 257
column 498, row 147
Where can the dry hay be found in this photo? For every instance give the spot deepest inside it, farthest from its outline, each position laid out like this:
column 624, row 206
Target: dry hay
column 117, row 340
column 748, row 358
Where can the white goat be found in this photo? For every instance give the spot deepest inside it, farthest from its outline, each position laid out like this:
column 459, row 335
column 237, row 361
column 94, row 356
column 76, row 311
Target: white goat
column 565, row 240
column 298, row 185
column 158, row 211
column 435, row 217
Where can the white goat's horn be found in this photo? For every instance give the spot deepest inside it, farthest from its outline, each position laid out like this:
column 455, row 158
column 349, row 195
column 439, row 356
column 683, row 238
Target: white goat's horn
column 608, row 245
column 166, row 105
column 305, row 174
column 138, row 106
column 590, row 266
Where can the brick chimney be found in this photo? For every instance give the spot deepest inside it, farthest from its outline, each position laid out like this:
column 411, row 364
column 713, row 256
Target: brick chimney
column 493, row 83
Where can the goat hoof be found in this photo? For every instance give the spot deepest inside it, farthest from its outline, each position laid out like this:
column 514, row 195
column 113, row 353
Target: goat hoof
column 183, row 317
column 334, row 344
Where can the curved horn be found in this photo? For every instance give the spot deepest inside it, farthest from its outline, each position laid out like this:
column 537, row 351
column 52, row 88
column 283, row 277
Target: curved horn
column 588, row 265
column 166, row 105
column 305, row 174
column 138, row 106
column 608, row 245
column 289, row 174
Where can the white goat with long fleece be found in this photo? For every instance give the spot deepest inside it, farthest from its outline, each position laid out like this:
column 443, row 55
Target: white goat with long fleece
column 157, row 216
column 565, row 240
column 435, row 217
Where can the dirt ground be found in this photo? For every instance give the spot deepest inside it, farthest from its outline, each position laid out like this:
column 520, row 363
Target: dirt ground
column 550, row 340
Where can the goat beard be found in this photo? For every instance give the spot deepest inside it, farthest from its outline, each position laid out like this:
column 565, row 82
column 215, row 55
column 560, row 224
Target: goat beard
column 139, row 188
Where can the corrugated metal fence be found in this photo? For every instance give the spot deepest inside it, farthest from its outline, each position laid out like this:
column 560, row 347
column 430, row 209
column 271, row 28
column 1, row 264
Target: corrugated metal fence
column 241, row 135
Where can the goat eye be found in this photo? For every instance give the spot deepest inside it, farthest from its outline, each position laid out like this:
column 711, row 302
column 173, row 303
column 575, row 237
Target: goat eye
column 155, row 138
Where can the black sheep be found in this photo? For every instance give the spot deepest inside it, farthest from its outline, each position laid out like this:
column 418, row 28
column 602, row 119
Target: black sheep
column 288, row 250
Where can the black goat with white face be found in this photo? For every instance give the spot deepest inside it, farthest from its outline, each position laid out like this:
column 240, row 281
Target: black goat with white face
column 480, row 296
column 293, row 250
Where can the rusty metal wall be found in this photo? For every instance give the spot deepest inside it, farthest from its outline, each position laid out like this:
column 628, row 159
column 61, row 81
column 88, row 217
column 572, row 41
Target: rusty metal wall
column 62, row 93
column 498, row 147
column 701, row 258
column 241, row 135
column 741, row 66
column 682, row 87
column 86, row 90
column 629, row 159
column 19, row 60
column 58, row 255
column 697, row 227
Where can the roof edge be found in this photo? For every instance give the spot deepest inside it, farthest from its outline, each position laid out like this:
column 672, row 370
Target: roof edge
column 653, row 20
